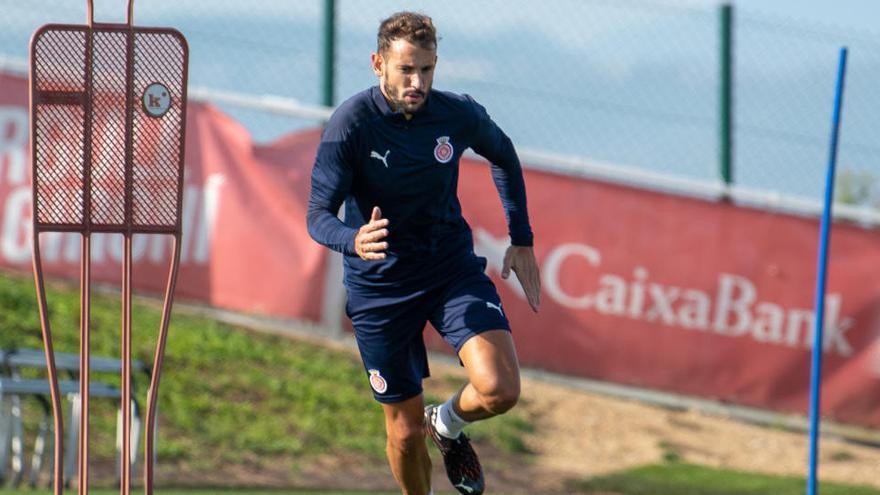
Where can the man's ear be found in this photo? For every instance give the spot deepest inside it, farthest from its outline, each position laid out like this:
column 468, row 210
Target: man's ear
column 378, row 64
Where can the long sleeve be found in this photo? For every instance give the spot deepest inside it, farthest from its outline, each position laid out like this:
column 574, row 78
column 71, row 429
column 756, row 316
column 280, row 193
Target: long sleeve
column 331, row 183
column 491, row 143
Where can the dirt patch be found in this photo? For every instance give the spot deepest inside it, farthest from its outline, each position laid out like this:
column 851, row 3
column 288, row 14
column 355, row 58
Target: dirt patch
column 580, row 434
column 583, row 435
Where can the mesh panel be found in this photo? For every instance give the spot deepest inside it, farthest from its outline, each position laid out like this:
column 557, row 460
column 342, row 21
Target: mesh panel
column 108, row 129
column 159, row 57
column 59, row 68
column 59, row 164
column 60, row 59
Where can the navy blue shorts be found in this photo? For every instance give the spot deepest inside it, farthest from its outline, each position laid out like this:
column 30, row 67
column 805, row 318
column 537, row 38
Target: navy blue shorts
column 389, row 329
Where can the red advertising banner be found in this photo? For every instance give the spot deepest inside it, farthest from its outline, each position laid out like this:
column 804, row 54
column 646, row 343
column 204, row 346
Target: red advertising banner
column 245, row 246
column 688, row 296
column 642, row 288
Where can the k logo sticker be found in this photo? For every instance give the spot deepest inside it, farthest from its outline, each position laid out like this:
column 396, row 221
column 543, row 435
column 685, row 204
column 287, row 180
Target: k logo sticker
column 156, row 100
column 443, row 151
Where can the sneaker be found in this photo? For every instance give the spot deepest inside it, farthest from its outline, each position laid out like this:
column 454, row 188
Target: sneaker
column 462, row 465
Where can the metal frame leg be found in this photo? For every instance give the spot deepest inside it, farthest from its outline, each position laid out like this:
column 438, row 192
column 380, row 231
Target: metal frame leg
column 84, row 363
column 48, row 348
column 125, row 464
column 151, row 429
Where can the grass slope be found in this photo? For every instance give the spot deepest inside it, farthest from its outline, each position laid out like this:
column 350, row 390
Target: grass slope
column 227, row 396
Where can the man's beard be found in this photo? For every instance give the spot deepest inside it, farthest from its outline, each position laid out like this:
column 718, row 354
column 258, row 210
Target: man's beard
column 400, row 105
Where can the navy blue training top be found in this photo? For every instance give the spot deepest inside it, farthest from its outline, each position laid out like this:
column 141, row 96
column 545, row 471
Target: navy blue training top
column 372, row 156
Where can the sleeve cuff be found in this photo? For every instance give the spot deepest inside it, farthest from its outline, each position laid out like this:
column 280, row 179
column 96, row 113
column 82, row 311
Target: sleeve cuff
column 521, row 239
column 349, row 245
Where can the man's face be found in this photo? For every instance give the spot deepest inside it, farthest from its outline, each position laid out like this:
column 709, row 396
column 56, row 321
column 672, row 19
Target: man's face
column 405, row 72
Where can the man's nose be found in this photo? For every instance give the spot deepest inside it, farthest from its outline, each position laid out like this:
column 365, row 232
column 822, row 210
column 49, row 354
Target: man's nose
column 416, row 81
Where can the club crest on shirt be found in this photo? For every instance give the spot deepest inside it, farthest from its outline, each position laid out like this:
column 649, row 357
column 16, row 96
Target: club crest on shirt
column 443, row 151
column 377, row 381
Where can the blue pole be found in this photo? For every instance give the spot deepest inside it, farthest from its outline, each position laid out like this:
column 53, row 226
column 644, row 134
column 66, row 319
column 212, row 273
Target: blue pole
column 818, row 341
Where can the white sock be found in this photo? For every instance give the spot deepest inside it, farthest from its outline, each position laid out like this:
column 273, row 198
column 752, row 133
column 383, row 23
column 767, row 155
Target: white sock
column 448, row 423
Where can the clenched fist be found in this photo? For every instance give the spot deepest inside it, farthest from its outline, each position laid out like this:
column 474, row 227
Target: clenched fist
column 368, row 243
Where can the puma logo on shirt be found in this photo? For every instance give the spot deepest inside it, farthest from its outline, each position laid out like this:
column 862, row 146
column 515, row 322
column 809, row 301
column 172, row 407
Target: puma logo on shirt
column 383, row 159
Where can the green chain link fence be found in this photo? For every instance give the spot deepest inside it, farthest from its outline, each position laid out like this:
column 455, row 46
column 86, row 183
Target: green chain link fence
column 634, row 83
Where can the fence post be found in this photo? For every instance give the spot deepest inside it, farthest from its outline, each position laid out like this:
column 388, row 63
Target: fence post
column 725, row 113
column 333, row 300
column 329, row 53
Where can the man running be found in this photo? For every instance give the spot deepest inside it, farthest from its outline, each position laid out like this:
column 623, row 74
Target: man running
column 391, row 154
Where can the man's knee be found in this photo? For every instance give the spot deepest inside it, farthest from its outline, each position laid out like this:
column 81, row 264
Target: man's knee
column 501, row 396
column 406, row 435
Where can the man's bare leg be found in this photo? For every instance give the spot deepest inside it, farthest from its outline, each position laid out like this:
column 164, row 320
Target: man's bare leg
column 406, row 449
column 493, row 386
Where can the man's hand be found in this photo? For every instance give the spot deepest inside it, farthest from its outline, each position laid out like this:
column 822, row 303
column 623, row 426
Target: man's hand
column 521, row 259
column 368, row 242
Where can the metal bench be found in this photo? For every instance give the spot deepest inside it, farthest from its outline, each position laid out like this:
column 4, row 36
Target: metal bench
column 33, row 358
column 13, row 388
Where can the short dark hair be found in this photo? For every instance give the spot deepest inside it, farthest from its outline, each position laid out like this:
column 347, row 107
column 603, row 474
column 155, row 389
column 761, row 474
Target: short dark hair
column 416, row 28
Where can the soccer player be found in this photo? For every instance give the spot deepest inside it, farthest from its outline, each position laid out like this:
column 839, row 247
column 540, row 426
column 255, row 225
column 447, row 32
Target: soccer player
column 391, row 154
